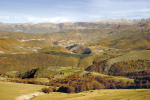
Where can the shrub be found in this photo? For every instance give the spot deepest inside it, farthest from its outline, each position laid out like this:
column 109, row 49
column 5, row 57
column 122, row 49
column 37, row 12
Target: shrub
column 70, row 89
column 47, row 90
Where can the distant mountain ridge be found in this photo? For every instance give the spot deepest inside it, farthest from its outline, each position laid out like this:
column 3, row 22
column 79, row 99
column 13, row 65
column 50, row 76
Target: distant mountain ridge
column 121, row 20
column 52, row 27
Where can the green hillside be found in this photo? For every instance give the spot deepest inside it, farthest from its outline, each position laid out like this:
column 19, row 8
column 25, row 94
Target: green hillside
column 21, row 63
column 133, row 61
column 143, row 54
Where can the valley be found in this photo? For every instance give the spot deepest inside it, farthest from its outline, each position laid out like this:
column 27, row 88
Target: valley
column 85, row 59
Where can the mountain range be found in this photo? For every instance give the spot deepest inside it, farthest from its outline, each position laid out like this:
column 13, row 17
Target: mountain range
column 53, row 27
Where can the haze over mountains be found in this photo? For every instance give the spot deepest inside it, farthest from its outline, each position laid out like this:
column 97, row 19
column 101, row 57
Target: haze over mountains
column 52, row 27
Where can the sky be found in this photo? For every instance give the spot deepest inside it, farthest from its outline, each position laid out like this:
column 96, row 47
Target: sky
column 57, row 11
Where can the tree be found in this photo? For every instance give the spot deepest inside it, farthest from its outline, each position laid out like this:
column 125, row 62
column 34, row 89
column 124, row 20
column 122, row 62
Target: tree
column 70, row 89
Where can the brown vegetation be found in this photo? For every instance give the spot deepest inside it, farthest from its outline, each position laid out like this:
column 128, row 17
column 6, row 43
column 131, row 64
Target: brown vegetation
column 76, row 83
column 121, row 68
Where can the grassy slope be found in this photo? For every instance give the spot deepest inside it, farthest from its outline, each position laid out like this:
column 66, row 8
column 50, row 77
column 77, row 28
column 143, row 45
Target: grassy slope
column 19, row 35
column 5, row 43
column 36, row 43
column 112, row 77
column 53, row 62
column 132, row 41
column 9, row 91
column 106, row 94
column 143, row 54
column 136, row 55
column 54, row 48
column 10, row 45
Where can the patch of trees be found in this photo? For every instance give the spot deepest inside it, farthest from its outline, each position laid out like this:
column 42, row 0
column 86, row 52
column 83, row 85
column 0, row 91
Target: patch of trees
column 142, row 81
column 76, row 83
column 99, row 66
column 134, row 74
column 122, row 68
column 28, row 74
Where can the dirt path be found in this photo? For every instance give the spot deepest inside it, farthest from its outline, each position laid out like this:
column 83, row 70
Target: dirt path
column 28, row 96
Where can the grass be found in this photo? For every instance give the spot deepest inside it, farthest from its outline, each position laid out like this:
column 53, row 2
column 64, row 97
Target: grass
column 115, row 78
column 85, row 62
column 106, row 94
column 68, row 72
column 124, row 79
column 42, row 79
column 92, row 73
column 143, row 54
column 67, row 54
column 11, row 72
column 97, row 74
column 133, row 40
column 83, row 73
column 9, row 91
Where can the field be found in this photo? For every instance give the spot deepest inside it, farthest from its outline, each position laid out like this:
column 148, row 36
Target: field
column 10, row 91
column 106, row 94
column 143, row 54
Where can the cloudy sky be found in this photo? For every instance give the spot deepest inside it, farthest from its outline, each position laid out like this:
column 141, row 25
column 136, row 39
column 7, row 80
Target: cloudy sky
column 56, row 11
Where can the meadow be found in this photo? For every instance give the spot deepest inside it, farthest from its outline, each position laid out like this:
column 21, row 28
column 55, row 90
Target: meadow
column 103, row 94
column 10, row 91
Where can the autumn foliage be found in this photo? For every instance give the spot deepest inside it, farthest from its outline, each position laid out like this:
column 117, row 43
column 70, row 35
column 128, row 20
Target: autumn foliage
column 121, row 68
column 76, row 83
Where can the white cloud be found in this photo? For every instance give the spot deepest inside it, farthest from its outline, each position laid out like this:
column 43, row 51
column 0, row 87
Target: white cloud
column 46, row 19
column 4, row 17
column 19, row 18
